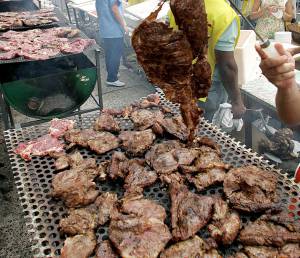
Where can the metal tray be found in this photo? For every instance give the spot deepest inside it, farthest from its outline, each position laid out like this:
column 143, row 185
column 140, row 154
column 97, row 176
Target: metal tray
column 42, row 213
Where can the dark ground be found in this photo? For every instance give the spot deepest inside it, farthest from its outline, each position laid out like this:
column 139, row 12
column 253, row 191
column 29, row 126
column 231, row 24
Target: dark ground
column 14, row 241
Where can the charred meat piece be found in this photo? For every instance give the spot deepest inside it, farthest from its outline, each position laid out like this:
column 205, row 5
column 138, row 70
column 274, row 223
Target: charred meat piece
column 271, row 230
column 185, row 156
column 290, row 251
column 161, row 158
column 105, row 204
column 104, row 250
column 79, row 246
column 106, row 122
column 225, row 224
column 189, row 212
column 210, row 158
column 66, row 161
column 152, row 100
column 208, row 142
column 135, row 233
column 139, row 176
column 118, row 166
column 144, row 118
column 80, row 137
column 206, row 178
column 175, row 177
column 59, row 126
column 124, row 112
column 166, row 57
column 176, row 127
column 103, row 143
column 76, row 187
column 251, row 188
column 80, row 221
column 41, row 146
column 137, row 142
column 192, row 248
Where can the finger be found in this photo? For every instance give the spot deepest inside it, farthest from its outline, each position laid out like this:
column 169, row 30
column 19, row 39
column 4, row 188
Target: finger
column 284, row 68
column 282, row 77
column 274, row 62
column 281, row 50
column 261, row 53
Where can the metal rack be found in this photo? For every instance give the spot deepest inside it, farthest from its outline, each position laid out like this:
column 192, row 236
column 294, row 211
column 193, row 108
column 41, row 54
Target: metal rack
column 42, row 213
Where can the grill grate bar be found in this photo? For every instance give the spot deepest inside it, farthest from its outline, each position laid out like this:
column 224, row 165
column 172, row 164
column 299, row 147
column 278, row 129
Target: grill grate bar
column 42, row 214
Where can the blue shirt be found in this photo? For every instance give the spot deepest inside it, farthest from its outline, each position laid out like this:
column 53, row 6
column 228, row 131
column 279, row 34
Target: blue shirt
column 226, row 43
column 108, row 25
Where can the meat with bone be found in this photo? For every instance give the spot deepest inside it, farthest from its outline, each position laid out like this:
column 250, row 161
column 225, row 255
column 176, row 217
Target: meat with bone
column 106, row 122
column 166, row 57
column 225, row 224
column 79, row 246
column 59, row 126
column 271, row 230
column 192, row 248
column 176, row 127
column 138, row 176
column 189, row 212
column 138, row 229
column 144, row 118
column 137, row 142
column 75, row 186
column 104, row 250
column 41, row 146
column 251, row 189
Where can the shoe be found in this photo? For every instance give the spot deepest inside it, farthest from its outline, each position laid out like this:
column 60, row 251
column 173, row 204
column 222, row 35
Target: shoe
column 115, row 84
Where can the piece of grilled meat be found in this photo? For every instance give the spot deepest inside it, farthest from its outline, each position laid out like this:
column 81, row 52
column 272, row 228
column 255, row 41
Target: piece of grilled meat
column 225, row 224
column 251, row 189
column 106, row 122
column 76, row 186
column 118, row 166
column 271, row 230
column 144, row 118
column 175, row 126
column 189, row 212
column 137, row 229
column 194, row 247
column 137, row 142
column 79, row 246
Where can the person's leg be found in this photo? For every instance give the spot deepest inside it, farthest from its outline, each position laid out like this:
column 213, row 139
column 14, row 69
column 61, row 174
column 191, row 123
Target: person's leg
column 117, row 48
column 108, row 53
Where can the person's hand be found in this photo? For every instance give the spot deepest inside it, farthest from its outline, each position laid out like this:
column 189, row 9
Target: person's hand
column 238, row 110
column 279, row 70
column 126, row 29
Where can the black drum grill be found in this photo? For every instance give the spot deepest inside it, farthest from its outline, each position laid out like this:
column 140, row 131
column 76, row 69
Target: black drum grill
column 42, row 213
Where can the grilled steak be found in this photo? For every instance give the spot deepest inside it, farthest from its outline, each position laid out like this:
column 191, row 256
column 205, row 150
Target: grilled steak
column 59, row 126
column 189, row 212
column 66, row 161
column 225, row 224
column 166, row 57
column 176, row 127
column 105, row 204
column 137, row 142
column 137, row 229
column 118, row 166
column 106, row 122
column 75, row 186
column 79, row 246
column 144, row 118
column 250, row 188
column 104, row 250
column 271, row 230
column 192, row 248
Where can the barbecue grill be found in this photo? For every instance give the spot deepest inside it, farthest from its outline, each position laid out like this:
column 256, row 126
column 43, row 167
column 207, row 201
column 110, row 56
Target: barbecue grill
column 49, row 88
column 42, row 213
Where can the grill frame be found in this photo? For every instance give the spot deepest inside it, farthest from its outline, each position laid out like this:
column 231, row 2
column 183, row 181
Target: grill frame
column 42, row 214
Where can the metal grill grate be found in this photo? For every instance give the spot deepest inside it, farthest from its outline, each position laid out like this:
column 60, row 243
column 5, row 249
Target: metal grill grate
column 42, row 214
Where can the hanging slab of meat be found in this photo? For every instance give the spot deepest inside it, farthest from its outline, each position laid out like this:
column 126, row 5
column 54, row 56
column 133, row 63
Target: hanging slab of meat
column 59, row 126
column 189, row 212
column 166, row 57
column 137, row 142
column 76, row 186
column 225, row 224
column 79, row 246
column 271, row 230
column 41, row 146
column 251, row 189
column 106, row 122
column 137, row 229
column 191, row 248
column 104, row 250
